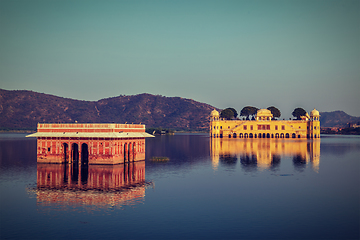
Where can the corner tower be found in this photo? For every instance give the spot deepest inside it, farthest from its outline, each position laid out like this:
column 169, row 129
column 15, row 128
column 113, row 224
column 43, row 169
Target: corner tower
column 214, row 123
column 314, row 124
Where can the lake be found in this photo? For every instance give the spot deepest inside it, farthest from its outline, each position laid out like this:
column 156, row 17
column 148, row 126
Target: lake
column 204, row 189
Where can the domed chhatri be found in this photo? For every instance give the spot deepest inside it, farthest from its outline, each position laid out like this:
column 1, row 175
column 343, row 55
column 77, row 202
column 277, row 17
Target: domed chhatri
column 314, row 113
column 264, row 114
column 215, row 113
column 265, row 126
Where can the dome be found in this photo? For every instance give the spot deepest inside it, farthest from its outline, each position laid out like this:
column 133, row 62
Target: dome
column 263, row 113
column 215, row 113
column 314, row 113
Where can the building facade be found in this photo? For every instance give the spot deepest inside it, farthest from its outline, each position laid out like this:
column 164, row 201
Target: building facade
column 264, row 126
column 90, row 143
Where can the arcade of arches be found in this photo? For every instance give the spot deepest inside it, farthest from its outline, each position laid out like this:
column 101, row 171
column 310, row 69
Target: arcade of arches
column 90, row 151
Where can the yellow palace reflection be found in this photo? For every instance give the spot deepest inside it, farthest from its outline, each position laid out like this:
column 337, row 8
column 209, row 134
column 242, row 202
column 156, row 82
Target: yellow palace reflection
column 95, row 185
column 265, row 153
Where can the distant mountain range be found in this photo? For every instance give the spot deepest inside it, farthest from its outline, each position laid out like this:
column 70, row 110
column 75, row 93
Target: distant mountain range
column 337, row 119
column 24, row 109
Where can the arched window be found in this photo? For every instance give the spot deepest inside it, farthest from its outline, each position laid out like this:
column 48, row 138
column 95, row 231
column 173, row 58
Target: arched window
column 75, row 152
column 66, row 149
column 84, row 154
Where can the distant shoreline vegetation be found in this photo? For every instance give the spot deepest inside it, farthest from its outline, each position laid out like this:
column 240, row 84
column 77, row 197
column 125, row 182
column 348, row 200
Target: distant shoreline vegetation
column 166, row 131
column 340, row 131
column 160, row 131
column 23, row 130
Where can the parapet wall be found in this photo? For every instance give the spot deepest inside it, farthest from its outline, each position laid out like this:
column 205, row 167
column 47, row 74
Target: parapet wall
column 90, row 127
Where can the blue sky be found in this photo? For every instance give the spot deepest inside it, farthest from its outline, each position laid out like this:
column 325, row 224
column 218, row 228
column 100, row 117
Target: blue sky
column 225, row 53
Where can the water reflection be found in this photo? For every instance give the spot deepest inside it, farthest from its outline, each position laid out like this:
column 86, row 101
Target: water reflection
column 261, row 154
column 99, row 185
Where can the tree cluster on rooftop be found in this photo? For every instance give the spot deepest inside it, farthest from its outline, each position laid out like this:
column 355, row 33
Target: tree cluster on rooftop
column 249, row 113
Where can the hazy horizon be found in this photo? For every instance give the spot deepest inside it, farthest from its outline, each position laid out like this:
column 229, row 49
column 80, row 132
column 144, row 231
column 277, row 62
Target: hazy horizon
column 286, row 54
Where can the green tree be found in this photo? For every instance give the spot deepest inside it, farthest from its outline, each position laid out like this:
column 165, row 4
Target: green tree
column 274, row 111
column 248, row 111
column 234, row 111
column 298, row 112
column 227, row 113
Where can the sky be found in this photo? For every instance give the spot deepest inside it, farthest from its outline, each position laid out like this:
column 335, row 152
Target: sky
column 259, row 53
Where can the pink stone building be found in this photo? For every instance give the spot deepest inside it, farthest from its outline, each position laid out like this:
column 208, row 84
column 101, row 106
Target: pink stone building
column 90, row 143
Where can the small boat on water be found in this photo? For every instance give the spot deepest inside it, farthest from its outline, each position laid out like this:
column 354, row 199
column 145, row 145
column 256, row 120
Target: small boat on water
column 159, row 159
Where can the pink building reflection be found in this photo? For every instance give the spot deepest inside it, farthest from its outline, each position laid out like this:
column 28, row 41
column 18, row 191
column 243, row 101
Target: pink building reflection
column 95, row 185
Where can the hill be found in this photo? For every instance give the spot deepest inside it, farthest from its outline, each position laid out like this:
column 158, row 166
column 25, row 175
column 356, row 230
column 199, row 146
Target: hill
column 24, row 109
column 337, row 119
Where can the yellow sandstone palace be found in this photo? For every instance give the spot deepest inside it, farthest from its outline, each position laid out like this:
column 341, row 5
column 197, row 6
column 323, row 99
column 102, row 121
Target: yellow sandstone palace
column 265, row 127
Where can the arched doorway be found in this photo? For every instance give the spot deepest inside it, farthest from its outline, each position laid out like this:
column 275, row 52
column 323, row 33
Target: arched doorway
column 75, row 162
column 234, row 135
column 281, row 135
column 250, row 135
column 268, row 135
column 293, row 135
column 66, row 155
column 240, row 135
column 263, row 135
column 84, row 154
column 276, row 135
column 287, row 135
column 75, row 152
column 245, row 135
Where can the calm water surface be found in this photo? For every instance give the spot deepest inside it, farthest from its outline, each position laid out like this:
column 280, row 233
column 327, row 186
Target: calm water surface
column 223, row 189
